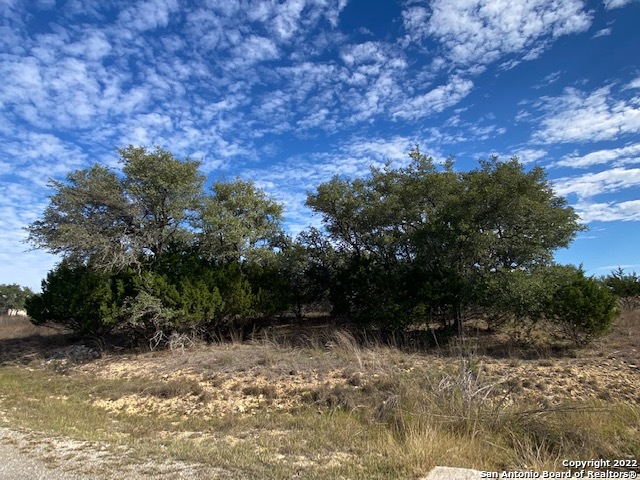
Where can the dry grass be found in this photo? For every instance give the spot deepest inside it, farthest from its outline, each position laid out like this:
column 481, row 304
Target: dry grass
column 324, row 404
column 22, row 341
column 12, row 327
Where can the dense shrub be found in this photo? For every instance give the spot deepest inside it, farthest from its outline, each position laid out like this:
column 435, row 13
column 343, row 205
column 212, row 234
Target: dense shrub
column 80, row 298
column 626, row 286
column 583, row 308
column 179, row 293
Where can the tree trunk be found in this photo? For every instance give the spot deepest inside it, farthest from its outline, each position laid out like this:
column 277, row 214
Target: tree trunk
column 458, row 319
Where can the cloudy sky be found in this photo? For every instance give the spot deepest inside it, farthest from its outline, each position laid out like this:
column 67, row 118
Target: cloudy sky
column 289, row 93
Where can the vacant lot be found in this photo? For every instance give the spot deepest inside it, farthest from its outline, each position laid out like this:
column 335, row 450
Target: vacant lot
column 313, row 402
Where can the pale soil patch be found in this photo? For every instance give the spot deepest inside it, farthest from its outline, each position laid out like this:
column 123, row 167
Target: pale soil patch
column 63, row 458
column 249, row 385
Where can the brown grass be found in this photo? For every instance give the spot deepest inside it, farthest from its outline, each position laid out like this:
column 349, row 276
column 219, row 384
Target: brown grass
column 23, row 342
column 321, row 403
column 12, row 327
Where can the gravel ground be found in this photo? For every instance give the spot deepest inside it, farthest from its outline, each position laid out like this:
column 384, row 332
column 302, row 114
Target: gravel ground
column 15, row 464
column 27, row 455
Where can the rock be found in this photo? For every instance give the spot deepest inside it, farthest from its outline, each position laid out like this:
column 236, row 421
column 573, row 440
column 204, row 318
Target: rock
column 451, row 473
column 76, row 354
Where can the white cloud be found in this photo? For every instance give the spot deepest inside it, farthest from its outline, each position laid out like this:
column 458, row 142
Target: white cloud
column 623, row 155
column 592, row 184
column 603, row 32
column 434, row 101
column 635, row 83
column 86, row 8
column 481, row 32
column 609, row 212
column 580, row 117
column 482, row 133
column 254, row 49
column 611, row 4
column 94, row 46
column 529, row 155
column 415, row 22
column 148, row 15
column 368, row 52
column 548, row 80
column 287, row 19
column 615, row 267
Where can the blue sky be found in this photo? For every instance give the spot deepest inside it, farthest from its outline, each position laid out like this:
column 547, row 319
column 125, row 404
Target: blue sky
column 289, row 93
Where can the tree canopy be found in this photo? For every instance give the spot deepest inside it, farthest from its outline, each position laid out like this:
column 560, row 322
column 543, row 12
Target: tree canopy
column 446, row 229
column 148, row 247
column 113, row 221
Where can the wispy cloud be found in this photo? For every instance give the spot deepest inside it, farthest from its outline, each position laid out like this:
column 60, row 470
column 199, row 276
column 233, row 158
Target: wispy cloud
column 615, row 267
column 548, row 80
column 480, row 33
column 618, row 156
column 577, row 116
column 435, row 100
column 604, row 32
column 592, row 184
column 609, row 212
column 611, row 4
column 635, row 83
column 530, row 155
column 291, row 179
column 147, row 15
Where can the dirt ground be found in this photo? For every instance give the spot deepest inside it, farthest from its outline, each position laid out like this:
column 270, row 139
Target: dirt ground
column 249, row 377
column 214, row 380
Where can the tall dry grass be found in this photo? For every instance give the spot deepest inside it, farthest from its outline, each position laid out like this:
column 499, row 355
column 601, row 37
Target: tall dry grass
column 379, row 409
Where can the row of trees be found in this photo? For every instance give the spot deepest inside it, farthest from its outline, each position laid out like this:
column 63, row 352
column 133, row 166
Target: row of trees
column 147, row 248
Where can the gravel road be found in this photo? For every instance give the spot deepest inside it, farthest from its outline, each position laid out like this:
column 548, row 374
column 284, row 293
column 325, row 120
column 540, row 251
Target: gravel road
column 15, row 464
column 28, row 455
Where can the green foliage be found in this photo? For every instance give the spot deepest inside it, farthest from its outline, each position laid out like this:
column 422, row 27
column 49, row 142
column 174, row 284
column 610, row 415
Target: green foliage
column 239, row 222
column 309, row 264
column 583, row 308
column 626, row 286
column 181, row 293
column 112, row 222
column 559, row 295
column 13, row 297
column 149, row 250
column 522, row 297
column 449, row 233
column 80, row 298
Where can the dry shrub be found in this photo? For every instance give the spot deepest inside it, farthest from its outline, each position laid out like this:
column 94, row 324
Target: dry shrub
column 267, row 391
column 174, row 388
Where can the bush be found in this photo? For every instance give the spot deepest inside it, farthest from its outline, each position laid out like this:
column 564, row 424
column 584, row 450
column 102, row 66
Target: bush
column 626, row 286
column 79, row 298
column 179, row 293
column 583, row 308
